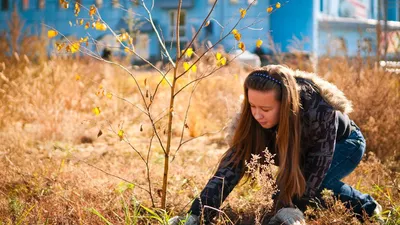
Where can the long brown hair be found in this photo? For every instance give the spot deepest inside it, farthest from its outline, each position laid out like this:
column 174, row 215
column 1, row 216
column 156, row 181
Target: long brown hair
column 250, row 138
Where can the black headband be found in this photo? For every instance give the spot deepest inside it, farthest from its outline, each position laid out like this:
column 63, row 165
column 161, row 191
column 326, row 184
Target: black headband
column 265, row 75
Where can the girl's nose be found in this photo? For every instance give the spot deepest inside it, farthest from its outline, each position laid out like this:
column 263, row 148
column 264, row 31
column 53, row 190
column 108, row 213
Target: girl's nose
column 258, row 115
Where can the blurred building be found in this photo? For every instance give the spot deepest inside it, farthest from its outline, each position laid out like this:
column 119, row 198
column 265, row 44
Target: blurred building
column 317, row 27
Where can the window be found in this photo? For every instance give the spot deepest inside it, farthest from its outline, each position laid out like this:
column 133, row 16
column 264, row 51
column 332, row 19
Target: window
column 4, row 5
column 354, row 9
column 41, row 4
column 99, row 3
column 25, row 4
column 182, row 23
column 321, row 5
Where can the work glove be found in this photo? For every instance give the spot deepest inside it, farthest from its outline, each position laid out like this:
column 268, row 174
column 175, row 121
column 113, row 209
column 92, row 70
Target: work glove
column 288, row 216
column 181, row 220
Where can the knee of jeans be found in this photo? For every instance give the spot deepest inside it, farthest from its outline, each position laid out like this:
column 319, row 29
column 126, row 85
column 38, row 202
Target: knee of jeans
column 331, row 184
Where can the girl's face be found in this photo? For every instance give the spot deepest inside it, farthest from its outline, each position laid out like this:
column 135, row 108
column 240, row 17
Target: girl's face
column 264, row 107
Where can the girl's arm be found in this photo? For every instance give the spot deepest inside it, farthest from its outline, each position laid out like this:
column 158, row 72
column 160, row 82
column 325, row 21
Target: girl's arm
column 322, row 126
column 217, row 188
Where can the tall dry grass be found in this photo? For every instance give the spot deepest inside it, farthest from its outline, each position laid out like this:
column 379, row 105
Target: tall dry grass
column 55, row 170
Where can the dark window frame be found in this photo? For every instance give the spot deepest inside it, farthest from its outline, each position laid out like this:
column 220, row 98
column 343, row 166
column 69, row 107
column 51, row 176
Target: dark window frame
column 5, row 5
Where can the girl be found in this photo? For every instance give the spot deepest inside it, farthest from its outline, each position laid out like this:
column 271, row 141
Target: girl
column 303, row 120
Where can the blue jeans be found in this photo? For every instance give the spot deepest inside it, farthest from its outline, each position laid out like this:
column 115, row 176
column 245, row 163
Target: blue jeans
column 348, row 154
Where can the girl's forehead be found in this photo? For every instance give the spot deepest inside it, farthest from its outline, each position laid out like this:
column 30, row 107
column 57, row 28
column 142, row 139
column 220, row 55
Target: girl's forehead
column 262, row 97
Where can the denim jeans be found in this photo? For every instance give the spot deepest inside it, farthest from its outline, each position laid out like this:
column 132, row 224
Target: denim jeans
column 348, row 154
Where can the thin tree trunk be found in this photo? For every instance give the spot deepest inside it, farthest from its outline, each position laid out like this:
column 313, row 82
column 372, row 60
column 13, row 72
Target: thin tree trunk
column 171, row 109
column 385, row 28
column 378, row 32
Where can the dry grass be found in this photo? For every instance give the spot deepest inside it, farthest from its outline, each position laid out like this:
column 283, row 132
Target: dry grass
column 52, row 161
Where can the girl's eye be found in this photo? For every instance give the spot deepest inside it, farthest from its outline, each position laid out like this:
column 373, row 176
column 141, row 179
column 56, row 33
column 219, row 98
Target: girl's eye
column 265, row 110
column 252, row 106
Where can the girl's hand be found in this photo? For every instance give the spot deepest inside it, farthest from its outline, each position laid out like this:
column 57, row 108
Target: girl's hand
column 180, row 220
column 288, row 216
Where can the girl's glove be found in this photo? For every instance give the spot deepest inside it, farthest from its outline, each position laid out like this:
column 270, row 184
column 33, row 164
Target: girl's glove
column 180, row 220
column 288, row 216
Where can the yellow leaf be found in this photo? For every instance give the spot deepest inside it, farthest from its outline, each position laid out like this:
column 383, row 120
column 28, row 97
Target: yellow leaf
column 207, row 23
column 128, row 50
column 121, row 135
column 92, row 10
column 278, row 5
column 81, row 22
column 270, row 9
column 242, row 12
column 109, row 95
column 74, row 47
column 52, row 33
column 189, row 52
column 122, row 37
column 70, row 23
column 64, row 4
column 259, row 43
column 218, row 56
column 77, row 77
column 100, row 93
column 221, row 62
column 186, row 66
column 242, row 46
column 194, row 68
column 87, row 25
column 165, row 80
column 77, row 8
column 97, row 111
column 234, row 31
column 85, row 40
column 125, row 36
column 238, row 36
column 60, row 46
column 100, row 26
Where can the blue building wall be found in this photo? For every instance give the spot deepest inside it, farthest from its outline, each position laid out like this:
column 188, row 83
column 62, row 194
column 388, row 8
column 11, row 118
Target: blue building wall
column 226, row 13
column 351, row 26
column 294, row 20
column 344, row 38
column 320, row 21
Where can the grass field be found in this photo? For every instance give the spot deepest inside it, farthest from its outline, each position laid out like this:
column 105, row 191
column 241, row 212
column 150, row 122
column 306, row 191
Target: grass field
column 55, row 168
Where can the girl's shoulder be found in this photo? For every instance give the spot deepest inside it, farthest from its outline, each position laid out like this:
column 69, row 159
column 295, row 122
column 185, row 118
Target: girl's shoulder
column 314, row 90
column 310, row 96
